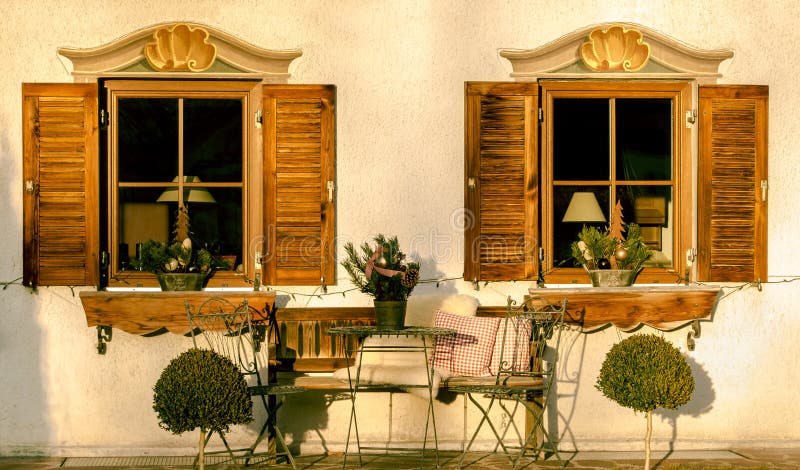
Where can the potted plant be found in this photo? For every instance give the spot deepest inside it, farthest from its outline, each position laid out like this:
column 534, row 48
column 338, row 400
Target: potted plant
column 645, row 372
column 611, row 258
column 176, row 265
column 383, row 273
column 201, row 389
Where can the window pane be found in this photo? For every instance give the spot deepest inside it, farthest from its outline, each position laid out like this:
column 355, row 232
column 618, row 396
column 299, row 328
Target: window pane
column 212, row 139
column 650, row 208
column 644, row 139
column 583, row 212
column 141, row 218
column 217, row 226
column 580, row 139
column 148, row 139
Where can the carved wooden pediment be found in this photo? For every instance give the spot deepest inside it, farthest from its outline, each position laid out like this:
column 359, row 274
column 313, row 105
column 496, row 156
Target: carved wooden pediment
column 179, row 50
column 616, row 50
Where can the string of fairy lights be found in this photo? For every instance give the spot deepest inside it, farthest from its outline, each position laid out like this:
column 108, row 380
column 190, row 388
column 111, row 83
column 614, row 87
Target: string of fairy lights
column 323, row 291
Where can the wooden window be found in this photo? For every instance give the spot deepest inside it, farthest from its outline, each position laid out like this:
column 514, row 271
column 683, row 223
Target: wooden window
column 732, row 182
column 621, row 142
column 299, row 143
column 60, row 181
column 192, row 129
column 626, row 141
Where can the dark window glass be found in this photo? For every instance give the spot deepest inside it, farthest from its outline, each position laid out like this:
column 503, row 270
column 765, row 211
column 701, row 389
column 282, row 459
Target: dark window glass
column 148, row 139
column 580, row 139
column 644, row 139
column 212, row 139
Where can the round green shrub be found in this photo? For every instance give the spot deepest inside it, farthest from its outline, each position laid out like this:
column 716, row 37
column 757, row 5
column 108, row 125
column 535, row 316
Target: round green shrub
column 201, row 389
column 645, row 372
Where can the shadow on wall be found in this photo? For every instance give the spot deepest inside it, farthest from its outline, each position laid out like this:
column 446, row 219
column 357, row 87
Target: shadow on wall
column 702, row 402
column 24, row 426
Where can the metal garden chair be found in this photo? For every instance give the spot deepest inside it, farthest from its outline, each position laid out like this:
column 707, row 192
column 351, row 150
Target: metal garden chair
column 524, row 372
column 228, row 329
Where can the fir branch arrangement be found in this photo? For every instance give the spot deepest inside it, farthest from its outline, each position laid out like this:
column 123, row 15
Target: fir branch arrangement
column 175, row 257
column 611, row 249
column 383, row 271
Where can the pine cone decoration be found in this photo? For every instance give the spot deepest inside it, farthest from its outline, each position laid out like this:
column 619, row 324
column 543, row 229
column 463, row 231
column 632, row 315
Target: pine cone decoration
column 410, row 279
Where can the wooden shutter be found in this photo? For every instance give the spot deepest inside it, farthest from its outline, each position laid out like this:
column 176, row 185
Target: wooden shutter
column 60, row 184
column 732, row 178
column 501, row 187
column 299, row 150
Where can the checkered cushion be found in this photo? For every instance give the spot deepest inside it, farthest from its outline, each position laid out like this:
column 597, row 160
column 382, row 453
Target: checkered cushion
column 470, row 351
column 517, row 350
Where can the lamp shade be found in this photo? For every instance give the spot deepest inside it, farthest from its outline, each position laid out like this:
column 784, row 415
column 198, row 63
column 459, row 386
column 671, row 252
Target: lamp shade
column 583, row 207
column 190, row 194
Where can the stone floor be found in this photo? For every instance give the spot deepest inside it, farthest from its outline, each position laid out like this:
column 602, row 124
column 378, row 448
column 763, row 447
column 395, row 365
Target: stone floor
column 735, row 458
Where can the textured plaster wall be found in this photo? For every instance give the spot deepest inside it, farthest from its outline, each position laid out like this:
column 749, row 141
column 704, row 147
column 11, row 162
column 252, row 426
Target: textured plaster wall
column 399, row 68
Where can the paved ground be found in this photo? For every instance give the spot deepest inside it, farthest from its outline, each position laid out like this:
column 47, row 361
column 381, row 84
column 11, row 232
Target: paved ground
column 736, row 458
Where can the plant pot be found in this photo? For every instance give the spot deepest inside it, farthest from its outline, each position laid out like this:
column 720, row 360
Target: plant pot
column 612, row 277
column 181, row 281
column 390, row 314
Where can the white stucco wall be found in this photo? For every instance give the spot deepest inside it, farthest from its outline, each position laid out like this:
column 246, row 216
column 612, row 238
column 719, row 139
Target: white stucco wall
column 399, row 68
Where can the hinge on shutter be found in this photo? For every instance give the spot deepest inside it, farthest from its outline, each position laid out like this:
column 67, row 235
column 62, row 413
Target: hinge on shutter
column 691, row 118
column 259, row 119
column 541, row 115
column 764, row 187
column 105, row 121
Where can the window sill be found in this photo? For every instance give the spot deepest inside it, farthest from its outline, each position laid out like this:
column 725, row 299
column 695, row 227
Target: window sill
column 662, row 307
column 151, row 313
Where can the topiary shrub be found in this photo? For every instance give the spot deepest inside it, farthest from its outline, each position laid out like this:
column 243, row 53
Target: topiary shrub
column 201, row 389
column 645, row 372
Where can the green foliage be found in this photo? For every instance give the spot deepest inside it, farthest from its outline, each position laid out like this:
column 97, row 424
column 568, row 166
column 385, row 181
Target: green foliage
column 396, row 287
column 175, row 257
column 201, row 389
column 601, row 245
column 645, row 372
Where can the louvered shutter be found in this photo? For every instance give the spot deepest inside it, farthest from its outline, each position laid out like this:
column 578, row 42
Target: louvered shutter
column 732, row 178
column 501, row 187
column 299, row 150
column 60, row 184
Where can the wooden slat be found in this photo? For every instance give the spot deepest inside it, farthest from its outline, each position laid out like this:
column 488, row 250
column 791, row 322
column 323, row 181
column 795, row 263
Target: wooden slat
column 299, row 153
column 733, row 163
column 60, row 160
column 500, row 147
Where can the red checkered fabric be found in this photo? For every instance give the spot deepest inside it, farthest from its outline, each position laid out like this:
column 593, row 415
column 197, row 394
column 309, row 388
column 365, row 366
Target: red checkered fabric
column 516, row 353
column 469, row 352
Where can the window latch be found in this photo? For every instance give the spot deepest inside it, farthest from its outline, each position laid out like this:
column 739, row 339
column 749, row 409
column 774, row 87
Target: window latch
column 330, row 191
column 691, row 118
column 104, row 119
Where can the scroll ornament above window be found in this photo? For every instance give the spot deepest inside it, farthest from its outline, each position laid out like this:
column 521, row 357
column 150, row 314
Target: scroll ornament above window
column 615, row 49
column 180, row 49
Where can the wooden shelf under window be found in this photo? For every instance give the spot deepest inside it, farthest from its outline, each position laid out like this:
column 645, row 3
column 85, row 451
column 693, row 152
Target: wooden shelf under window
column 662, row 307
column 148, row 313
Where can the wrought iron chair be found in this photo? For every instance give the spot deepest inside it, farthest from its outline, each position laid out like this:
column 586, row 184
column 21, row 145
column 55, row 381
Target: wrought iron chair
column 228, row 329
column 528, row 340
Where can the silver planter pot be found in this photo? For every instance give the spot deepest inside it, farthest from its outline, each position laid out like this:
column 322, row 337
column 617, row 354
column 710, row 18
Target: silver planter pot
column 181, row 281
column 390, row 314
column 612, row 277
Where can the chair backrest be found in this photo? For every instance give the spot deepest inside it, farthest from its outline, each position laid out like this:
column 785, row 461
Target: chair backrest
column 225, row 328
column 529, row 337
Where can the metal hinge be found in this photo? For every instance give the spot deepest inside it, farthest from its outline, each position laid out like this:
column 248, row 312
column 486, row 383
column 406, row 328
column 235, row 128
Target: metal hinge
column 259, row 119
column 691, row 117
column 541, row 115
column 764, row 187
column 105, row 120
